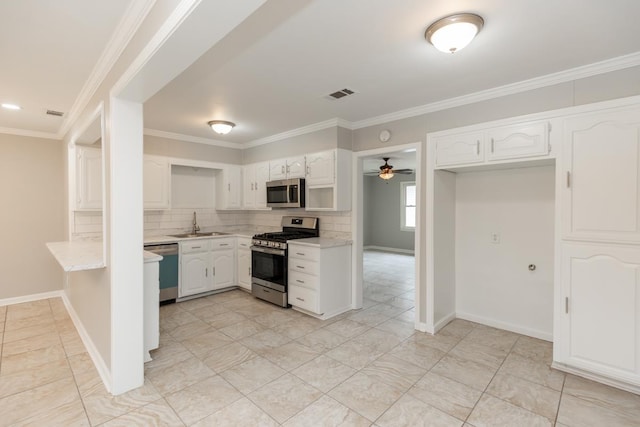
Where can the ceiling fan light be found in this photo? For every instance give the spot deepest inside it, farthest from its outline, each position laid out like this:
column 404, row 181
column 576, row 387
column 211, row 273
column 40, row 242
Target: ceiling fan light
column 387, row 174
column 221, row 127
column 453, row 33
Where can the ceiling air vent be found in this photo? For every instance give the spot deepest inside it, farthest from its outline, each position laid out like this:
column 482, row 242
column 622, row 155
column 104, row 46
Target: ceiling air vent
column 55, row 113
column 340, row 94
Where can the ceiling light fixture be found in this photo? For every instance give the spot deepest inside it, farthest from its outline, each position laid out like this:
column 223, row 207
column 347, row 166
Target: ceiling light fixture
column 386, row 174
column 11, row 107
column 221, row 127
column 452, row 33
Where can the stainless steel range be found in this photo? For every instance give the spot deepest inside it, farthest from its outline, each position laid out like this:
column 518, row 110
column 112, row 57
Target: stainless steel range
column 269, row 258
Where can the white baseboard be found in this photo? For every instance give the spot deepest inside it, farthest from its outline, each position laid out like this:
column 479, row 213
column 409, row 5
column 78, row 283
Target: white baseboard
column 596, row 377
column 506, row 326
column 32, row 297
column 98, row 361
column 443, row 322
column 423, row 327
column 385, row 249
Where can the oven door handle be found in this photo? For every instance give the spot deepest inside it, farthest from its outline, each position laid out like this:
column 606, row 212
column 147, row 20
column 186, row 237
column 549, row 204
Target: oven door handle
column 268, row 251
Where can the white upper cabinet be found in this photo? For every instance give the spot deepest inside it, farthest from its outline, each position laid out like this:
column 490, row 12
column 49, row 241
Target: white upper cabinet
column 254, row 185
column 229, row 188
column 459, row 149
column 601, row 161
column 157, row 182
column 293, row 167
column 522, row 140
column 88, row 178
column 321, row 168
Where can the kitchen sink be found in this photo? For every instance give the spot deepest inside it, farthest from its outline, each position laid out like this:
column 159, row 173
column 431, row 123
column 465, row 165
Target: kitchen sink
column 187, row 235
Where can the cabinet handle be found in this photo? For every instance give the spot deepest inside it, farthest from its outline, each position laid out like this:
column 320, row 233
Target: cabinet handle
column 206, row 272
column 252, row 186
column 566, row 304
column 249, row 271
column 214, row 271
column 283, row 169
column 256, row 185
column 196, row 247
column 300, row 267
column 307, row 170
column 229, row 186
column 300, row 299
column 568, row 179
column 300, row 281
column 478, row 147
column 300, row 253
column 224, row 244
column 288, row 168
column 491, row 145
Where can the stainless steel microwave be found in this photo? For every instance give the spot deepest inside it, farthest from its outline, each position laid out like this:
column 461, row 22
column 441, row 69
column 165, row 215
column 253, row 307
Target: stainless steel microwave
column 286, row 193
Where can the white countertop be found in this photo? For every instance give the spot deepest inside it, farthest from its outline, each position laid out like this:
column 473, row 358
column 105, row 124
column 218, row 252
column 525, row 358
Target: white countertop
column 151, row 257
column 320, row 242
column 78, row 255
column 149, row 240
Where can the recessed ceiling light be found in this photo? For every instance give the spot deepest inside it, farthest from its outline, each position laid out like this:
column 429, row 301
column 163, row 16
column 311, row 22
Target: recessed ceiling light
column 11, row 107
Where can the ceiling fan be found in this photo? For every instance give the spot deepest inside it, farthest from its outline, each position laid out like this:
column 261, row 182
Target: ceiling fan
column 387, row 171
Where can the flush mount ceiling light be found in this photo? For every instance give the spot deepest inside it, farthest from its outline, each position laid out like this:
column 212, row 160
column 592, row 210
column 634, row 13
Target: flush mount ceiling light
column 452, row 33
column 221, row 127
column 11, row 107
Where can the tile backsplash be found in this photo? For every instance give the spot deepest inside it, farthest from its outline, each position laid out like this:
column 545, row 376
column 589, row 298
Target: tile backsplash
column 88, row 225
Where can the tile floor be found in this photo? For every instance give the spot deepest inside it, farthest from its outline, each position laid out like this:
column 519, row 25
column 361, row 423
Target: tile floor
column 231, row 360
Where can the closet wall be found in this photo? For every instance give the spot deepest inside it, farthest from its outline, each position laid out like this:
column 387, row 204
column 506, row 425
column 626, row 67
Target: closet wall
column 504, row 222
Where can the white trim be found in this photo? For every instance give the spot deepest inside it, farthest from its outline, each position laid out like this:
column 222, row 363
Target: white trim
column 122, row 35
column 171, row 24
column 189, row 138
column 97, row 359
column 422, row 327
column 572, row 74
column 387, row 249
column 443, row 322
column 596, row 377
column 32, row 297
column 506, row 326
column 299, row 131
column 31, row 133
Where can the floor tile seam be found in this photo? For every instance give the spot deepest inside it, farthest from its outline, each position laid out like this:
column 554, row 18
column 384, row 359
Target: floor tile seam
column 598, row 403
column 564, row 380
column 268, row 414
column 175, row 411
column 75, row 382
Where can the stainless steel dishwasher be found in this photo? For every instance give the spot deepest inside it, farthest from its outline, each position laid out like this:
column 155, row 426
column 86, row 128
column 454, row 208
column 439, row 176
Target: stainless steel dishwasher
column 168, row 270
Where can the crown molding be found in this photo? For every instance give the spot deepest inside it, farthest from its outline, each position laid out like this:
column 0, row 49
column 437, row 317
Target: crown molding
column 189, row 138
column 299, row 131
column 577, row 73
column 31, row 133
column 122, row 35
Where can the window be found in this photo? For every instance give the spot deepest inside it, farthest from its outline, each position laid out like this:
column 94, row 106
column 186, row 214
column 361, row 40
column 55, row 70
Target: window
column 408, row 214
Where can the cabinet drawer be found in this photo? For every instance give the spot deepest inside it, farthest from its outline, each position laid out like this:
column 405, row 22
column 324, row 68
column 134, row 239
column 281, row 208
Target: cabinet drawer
column 304, row 280
column 304, row 252
column 199, row 245
column 303, row 266
column 244, row 242
column 303, row 298
column 224, row 243
column 525, row 140
column 459, row 149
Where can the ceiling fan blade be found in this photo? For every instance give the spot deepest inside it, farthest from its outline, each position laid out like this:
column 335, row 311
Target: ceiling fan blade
column 404, row 171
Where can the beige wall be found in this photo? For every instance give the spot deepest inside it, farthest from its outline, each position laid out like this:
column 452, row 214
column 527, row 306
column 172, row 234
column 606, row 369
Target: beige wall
column 32, row 177
column 190, row 150
column 616, row 84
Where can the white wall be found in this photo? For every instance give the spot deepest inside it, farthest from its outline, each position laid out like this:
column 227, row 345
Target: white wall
column 32, row 175
column 493, row 283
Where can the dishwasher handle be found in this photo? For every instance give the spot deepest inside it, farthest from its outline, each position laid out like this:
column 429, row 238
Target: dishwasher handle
column 162, row 249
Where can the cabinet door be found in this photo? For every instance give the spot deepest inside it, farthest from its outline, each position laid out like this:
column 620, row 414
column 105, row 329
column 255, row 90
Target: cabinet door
column 459, row 149
column 524, row 140
column 260, row 185
column 230, row 188
column 296, row 167
column 321, row 168
column 600, row 311
column 223, row 269
column 601, row 157
column 156, row 183
column 277, row 169
column 244, row 269
column 195, row 274
column 88, row 178
column 248, row 187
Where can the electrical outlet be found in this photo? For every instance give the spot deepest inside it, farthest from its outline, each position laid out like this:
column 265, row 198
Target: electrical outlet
column 495, row 238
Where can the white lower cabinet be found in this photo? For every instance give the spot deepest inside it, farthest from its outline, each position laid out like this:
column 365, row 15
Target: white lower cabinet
column 243, row 272
column 206, row 265
column 319, row 279
column 600, row 314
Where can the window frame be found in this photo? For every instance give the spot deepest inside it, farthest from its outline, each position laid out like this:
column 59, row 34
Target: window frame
column 403, row 205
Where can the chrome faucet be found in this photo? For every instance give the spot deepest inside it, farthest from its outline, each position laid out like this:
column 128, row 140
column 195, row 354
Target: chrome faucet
column 196, row 227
